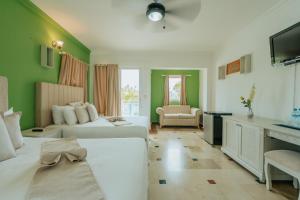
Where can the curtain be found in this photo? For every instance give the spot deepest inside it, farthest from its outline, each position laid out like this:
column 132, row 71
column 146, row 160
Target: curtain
column 107, row 90
column 183, row 90
column 166, row 91
column 73, row 72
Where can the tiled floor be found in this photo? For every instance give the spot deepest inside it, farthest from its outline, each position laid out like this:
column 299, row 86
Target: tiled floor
column 182, row 166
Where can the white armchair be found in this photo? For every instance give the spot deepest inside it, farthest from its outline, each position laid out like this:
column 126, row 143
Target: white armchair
column 178, row 115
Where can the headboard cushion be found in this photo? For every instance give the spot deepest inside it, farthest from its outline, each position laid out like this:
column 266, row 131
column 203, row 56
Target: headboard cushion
column 3, row 93
column 49, row 94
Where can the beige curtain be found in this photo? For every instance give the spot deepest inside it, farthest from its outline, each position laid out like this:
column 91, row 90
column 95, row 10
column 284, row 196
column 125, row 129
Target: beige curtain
column 73, row 72
column 166, row 91
column 183, row 90
column 107, row 90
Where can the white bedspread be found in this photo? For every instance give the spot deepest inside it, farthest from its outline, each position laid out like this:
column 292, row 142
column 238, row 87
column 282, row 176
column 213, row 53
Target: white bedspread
column 102, row 128
column 119, row 165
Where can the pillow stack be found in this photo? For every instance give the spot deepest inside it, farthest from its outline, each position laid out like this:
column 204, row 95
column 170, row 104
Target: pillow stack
column 75, row 112
column 10, row 134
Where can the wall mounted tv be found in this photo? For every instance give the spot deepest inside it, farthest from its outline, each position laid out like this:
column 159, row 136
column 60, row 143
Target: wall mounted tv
column 285, row 46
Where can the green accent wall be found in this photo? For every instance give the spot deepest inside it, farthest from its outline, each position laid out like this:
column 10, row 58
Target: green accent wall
column 157, row 88
column 24, row 27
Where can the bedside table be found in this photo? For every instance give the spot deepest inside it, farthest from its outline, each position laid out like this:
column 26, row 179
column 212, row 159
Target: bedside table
column 47, row 133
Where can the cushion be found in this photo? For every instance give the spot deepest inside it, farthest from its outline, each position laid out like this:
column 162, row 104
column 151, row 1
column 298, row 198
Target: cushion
column 76, row 103
column 179, row 116
column 70, row 116
column 7, row 149
column 82, row 114
column 9, row 112
column 12, row 123
column 171, row 116
column 288, row 159
column 58, row 114
column 173, row 109
column 186, row 116
column 93, row 113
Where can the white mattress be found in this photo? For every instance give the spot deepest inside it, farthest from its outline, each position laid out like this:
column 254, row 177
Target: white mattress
column 119, row 165
column 101, row 128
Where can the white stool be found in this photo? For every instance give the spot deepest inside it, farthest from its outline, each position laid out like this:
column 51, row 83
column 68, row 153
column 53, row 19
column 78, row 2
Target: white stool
column 285, row 160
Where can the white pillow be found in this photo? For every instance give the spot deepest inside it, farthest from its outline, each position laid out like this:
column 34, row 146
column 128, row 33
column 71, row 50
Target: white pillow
column 70, row 116
column 7, row 150
column 58, row 114
column 82, row 114
column 93, row 113
column 9, row 112
column 12, row 123
column 74, row 104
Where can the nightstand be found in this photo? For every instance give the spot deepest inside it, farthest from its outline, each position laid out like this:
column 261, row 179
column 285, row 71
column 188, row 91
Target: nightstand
column 47, row 133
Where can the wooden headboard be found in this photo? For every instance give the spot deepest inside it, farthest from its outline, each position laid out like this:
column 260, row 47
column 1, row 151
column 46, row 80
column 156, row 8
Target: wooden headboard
column 49, row 94
column 3, row 93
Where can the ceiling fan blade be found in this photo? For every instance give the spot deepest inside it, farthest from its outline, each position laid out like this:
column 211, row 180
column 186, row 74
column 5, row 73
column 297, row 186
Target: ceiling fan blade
column 187, row 11
column 140, row 21
column 130, row 4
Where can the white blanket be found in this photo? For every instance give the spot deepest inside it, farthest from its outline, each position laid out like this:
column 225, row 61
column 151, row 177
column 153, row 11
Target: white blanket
column 119, row 166
column 102, row 128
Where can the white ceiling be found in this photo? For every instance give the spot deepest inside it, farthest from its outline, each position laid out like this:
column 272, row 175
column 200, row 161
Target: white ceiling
column 103, row 28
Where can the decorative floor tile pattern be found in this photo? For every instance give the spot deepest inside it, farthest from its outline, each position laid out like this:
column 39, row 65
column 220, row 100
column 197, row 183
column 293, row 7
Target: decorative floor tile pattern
column 190, row 169
column 211, row 181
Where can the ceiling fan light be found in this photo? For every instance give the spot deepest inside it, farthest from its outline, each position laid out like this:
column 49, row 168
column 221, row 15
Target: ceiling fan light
column 155, row 12
column 155, row 16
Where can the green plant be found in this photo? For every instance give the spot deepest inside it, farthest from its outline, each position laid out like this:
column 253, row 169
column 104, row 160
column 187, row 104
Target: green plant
column 248, row 102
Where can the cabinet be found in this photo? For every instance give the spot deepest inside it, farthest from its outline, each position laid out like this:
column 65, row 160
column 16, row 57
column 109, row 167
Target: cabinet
column 245, row 144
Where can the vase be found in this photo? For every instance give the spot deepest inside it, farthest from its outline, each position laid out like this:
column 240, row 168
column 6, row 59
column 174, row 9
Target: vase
column 250, row 113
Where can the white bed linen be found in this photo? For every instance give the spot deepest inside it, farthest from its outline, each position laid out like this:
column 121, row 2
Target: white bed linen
column 135, row 120
column 102, row 128
column 119, row 165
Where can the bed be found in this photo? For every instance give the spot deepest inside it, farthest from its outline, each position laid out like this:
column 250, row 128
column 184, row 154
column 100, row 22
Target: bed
column 48, row 94
column 105, row 156
column 120, row 165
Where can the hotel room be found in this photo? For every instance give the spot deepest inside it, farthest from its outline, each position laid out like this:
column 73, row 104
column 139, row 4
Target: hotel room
column 149, row 99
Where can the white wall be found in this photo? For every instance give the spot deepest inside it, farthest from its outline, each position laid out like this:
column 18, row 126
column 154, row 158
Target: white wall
column 149, row 60
column 274, row 85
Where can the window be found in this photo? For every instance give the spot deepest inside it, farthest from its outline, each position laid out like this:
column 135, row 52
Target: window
column 130, row 92
column 174, row 90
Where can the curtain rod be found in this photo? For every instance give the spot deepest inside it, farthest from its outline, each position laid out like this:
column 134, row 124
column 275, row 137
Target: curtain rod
column 188, row 75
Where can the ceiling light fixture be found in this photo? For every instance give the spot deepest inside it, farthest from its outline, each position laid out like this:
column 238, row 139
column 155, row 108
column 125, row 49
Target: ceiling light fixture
column 156, row 12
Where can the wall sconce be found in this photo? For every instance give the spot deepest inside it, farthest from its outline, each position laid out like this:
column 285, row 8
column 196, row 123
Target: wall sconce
column 58, row 44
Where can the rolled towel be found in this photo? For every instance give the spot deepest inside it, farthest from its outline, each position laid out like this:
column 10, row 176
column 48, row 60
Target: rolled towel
column 53, row 152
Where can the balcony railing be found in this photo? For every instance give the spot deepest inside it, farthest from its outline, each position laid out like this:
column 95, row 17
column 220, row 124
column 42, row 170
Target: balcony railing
column 130, row 108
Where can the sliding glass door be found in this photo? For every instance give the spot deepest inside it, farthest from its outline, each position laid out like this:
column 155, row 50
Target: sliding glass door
column 130, row 92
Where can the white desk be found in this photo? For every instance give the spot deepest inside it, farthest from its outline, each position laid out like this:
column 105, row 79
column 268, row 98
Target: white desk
column 246, row 140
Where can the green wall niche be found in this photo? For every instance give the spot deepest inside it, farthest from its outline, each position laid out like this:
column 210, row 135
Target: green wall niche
column 157, row 88
column 24, row 27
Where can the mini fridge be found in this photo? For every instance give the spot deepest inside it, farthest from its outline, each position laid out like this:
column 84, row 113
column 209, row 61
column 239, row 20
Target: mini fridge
column 213, row 127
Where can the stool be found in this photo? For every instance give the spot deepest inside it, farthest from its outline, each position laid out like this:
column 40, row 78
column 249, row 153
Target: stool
column 285, row 160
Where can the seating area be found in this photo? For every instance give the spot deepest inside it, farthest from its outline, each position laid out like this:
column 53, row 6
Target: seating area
column 179, row 115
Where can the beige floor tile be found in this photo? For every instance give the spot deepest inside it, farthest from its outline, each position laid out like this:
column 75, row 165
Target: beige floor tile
column 187, row 179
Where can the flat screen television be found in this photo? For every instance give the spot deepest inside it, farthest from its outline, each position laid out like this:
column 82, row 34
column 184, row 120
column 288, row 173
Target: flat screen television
column 285, row 46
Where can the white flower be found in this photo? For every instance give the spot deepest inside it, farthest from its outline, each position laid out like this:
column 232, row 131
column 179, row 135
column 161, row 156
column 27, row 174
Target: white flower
column 252, row 93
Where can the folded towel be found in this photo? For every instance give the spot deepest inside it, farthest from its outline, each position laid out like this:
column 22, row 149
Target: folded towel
column 115, row 119
column 64, row 174
column 121, row 123
column 53, row 151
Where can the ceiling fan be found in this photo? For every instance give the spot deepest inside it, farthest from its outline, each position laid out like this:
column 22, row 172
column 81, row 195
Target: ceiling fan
column 160, row 15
